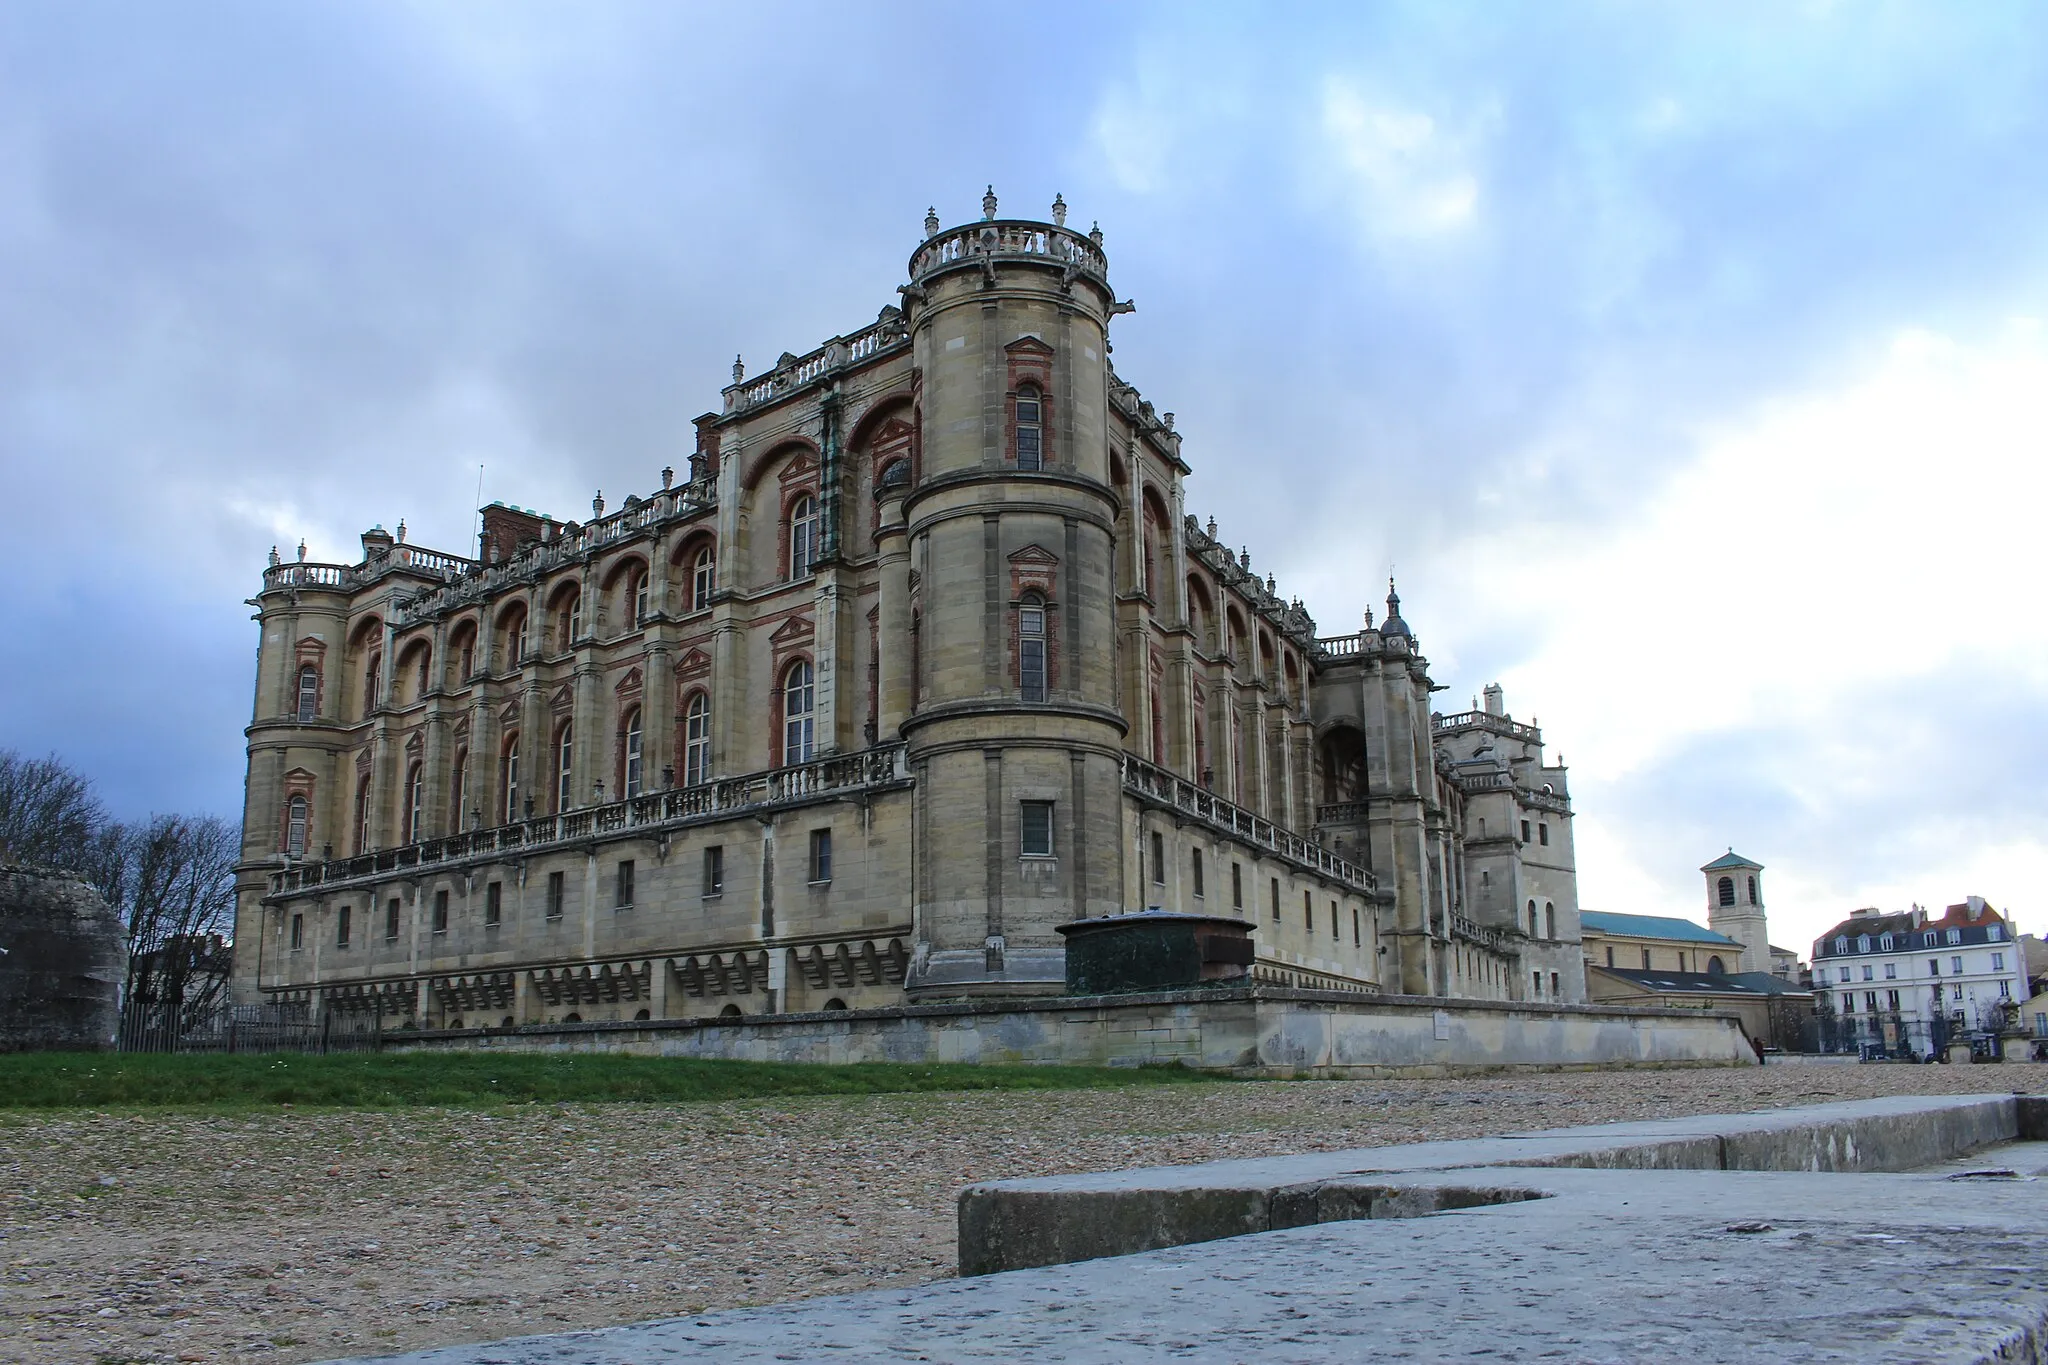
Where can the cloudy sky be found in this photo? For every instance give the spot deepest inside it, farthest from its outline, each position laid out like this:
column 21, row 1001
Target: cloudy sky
column 1689, row 363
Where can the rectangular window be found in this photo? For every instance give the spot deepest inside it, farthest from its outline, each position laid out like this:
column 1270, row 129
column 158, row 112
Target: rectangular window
column 2005, row 990
column 1308, row 912
column 1536, row 985
column 341, row 926
column 1543, row 835
column 1646, row 959
column 1158, row 858
column 1035, row 829
column 1196, row 867
column 440, row 912
column 1998, row 962
column 714, row 870
column 1610, row 954
column 298, row 932
column 556, row 891
column 1276, row 900
column 1933, row 966
column 1891, row 971
column 1870, row 1001
column 1525, row 837
column 1848, row 1002
column 1955, row 966
column 1357, row 931
column 821, row 855
column 1237, row 886
column 624, row 899
column 1891, row 1001
column 494, row 905
column 1955, row 936
column 391, row 920
column 1867, row 973
column 1555, row 989
column 1841, row 973
column 1335, row 933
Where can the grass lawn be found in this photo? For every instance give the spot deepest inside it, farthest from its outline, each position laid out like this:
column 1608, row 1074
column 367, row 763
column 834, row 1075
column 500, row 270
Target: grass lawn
column 371, row 1080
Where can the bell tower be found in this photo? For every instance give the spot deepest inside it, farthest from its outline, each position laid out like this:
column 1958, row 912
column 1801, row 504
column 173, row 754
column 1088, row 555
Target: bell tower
column 1735, row 907
column 1015, row 735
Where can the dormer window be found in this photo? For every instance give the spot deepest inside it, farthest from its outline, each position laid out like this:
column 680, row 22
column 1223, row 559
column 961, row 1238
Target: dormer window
column 1030, row 432
column 1885, row 942
column 1955, row 936
column 1842, row 944
column 1995, row 933
column 1863, row 943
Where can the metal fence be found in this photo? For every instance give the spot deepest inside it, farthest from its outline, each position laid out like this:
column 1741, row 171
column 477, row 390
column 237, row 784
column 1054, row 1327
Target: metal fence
column 149, row 1027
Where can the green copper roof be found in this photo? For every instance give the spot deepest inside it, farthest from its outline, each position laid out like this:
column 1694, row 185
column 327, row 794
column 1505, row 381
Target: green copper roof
column 1651, row 926
column 1731, row 859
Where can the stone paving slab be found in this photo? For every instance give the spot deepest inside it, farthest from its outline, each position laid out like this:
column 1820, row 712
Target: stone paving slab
column 1595, row 1265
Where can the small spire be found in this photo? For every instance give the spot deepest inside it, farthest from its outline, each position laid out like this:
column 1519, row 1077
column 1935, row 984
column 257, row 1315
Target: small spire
column 988, row 203
column 1244, row 557
column 275, row 558
column 1059, row 210
column 401, row 530
column 668, row 477
column 1212, row 528
column 302, row 549
column 1095, row 234
column 739, row 369
column 931, row 221
column 597, row 504
column 1368, row 618
column 1168, row 418
column 1271, row 586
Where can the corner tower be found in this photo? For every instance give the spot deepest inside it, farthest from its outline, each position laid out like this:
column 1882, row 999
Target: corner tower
column 1735, row 907
column 1013, row 730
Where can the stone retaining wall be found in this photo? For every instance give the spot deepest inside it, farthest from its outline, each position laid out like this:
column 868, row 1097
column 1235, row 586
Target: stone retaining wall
column 64, row 962
column 1259, row 1030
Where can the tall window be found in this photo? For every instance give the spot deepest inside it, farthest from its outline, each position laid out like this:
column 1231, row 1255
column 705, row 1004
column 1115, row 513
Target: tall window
column 458, row 790
column 803, row 536
column 1031, row 648
column 309, row 694
column 494, row 905
column 295, row 827
column 569, row 621
column 341, row 927
column 1724, row 891
column 697, row 740
column 1549, row 920
column 796, row 714
column 510, row 775
column 821, row 855
column 633, row 753
column 640, row 598
column 363, row 816
column 391, row 920
column 1752, row 891
column 415, row 780
column 565, row 754
column 702, row 573
column 1035, row 826
column 1030, row 446
column 372, row 675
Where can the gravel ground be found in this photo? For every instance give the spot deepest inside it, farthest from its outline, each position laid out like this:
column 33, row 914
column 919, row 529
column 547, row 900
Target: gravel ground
column 282, row 1237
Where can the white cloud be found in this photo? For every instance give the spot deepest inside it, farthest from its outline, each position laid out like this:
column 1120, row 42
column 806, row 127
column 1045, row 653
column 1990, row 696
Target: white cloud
column 1404, row 174
column 1831, row 549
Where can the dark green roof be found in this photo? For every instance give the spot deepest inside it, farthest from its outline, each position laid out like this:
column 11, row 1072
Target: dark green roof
column 1651, row 926
column 1731, row 859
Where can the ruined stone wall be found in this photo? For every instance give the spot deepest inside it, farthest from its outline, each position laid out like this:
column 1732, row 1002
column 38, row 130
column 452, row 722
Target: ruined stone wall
column 64, row 960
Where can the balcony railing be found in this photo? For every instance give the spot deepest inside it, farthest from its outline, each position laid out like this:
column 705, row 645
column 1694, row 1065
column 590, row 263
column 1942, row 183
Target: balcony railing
column 1474, row 932
column 1157, row 784
column 1008, row 240
column 1486, row 720
column 798, row 371
column 868, row 770
column 1341, row 646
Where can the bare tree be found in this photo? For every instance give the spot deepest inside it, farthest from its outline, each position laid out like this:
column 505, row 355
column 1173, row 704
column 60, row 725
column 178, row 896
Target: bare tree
column 48, row 813
column 173, row 882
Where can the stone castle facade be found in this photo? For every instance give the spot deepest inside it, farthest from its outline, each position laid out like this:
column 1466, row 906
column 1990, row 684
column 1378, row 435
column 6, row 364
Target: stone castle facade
column 921, row 658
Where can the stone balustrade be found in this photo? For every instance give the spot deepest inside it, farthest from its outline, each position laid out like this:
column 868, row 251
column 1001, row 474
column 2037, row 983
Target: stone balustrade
column 798, row 372
column 1164, row 788
column 1486, row 720
column 752, row 793
column 1011, row 240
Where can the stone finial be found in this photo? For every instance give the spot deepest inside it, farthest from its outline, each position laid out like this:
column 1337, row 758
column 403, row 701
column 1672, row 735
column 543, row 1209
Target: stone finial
column 275, row 558
column 1059, row 210
column 1095, row 234
column 931, row 221
column 988, row 204
column 1272, row 588
column 597, row 504
column 739, row 370
column 1212, row 528
column 401, row 530
column 1244, row 557
column 1368, row 618
column 302, row 549
column 1167, row 418
column 668, row 477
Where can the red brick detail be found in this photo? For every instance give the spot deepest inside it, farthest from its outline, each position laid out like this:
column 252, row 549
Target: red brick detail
column 1030, row 362
column 628, row 689
column 1035, row 569
column 297, row 782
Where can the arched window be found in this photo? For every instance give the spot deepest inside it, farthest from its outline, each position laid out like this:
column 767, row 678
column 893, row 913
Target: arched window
column 1031, row 647
column 1752, row 891
column 697, row 740
column 295, row 827
column 1715, row 967
column 509, row 775
column 568, row 620
column 702, row 574
column 363, row 815
column 1030, row 445
column 1549, row 920
column 803, row 536
column 1532, row 919
column 632, row 753
column 415, row 781
column 640, row 586
column 796, row 714
column 1724, row 891
column 565, row 756
column 309, row 694
column 458, row 792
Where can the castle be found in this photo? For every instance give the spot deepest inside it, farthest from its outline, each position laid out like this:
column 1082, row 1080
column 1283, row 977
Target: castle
column 922, row 658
